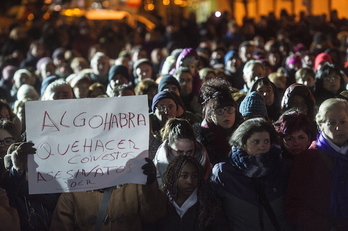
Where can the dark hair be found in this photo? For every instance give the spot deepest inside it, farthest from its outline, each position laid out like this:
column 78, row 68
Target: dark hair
column 208, row 205
column 292, row 121
column 176, row 128
column 216, row 93
column 248, row 128
column 299, row 90
column 11, row 128
column 4, row 104
column 324, row 71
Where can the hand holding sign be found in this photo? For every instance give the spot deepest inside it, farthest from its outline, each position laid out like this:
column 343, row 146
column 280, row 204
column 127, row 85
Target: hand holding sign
column 87, row 144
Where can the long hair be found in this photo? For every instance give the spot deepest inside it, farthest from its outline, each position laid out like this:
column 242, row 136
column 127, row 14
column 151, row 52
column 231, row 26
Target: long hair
column 209, row 206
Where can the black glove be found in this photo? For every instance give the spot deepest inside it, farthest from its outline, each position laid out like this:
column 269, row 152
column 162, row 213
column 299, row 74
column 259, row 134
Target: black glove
column 19, row 153
column 149, row 170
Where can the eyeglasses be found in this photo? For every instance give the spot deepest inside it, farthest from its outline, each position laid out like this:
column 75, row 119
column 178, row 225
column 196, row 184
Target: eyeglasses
column 162, row 108
column 7, row 141
column 221, row 111
column 331, row 78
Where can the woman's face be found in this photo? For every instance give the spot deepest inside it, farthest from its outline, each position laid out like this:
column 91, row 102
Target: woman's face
column 224, row 117
column 299, row 102
column 336, row 126
column 267, row 93
column 297, row 142
column 61, row 92
column 188, row 181
column 183, row 147
column 6, row 140
column 4, row 113
column 258, row 143
column 332, row 83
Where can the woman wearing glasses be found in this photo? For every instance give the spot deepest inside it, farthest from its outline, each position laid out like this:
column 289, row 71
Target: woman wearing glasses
column 329, row 83
column 179, row 139
column 317, row 196
column 220, row 119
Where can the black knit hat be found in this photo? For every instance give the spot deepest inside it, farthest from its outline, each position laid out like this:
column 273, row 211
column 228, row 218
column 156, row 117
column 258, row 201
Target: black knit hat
column 162, row 95
column 168, row 79
column 118, row 69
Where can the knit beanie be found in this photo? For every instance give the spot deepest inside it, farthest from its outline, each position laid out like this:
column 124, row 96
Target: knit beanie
column 253, row 105
column 138, row 63
column 162, row 95
column 118, row 69
column 168, row 79
column 321, row 58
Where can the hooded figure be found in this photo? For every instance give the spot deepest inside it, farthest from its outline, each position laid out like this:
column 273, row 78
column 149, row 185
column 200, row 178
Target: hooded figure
column 271, row 95
column 299, row 96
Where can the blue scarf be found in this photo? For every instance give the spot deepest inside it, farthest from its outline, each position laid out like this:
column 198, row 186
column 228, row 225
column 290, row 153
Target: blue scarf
column 256, row 166
column 339, row 187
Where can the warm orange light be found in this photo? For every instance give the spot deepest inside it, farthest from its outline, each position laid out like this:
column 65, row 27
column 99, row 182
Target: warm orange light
column 46, row 16
column 48, row 2
column 106, row 4
column 150, row 7
column 166, row 2
column 31, row 17
column 177, row 2
column 76, row 11
column 133, row 3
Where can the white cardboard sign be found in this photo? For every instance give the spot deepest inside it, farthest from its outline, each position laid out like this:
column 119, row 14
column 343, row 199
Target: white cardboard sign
column 86, row 144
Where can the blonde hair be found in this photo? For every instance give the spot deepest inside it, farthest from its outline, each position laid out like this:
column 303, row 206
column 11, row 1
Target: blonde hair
column 329, row 105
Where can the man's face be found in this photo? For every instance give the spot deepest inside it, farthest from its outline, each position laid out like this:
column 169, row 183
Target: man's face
column 101, row 66
column 247, row 53
column 255, row 72
column 165, row 109
column 144, row 71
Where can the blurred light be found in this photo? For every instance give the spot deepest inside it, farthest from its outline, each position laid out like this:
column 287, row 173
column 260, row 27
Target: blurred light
column 166, row 2
column 76, row 11
column 183, row 4
column 177, row 2
column 150, row 7
column 46, row 16
column 31, row 17
column 195, row 5
column 68, row 13
column 57, row 7
column 218, row 14
column 48, row 2
column 105, row 4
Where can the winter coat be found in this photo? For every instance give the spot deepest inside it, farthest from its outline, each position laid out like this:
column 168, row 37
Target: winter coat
column 8, row 216
column 189, row 221
column 307, row 201
column 215, row 140
column 35, row 211
column 129, row 207
column 241, row 180
column 164, row 156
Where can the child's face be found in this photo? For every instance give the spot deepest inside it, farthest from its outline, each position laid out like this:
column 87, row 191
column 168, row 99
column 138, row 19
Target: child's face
column 188, row 180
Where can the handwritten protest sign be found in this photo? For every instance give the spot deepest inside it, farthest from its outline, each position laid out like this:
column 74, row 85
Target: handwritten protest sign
column 86, row 144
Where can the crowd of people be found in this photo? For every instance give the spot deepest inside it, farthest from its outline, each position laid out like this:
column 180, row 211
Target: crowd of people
column 248, row 123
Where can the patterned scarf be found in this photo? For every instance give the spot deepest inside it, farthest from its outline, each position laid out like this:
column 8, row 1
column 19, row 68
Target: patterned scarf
column 339, row 187
column 256, row 166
